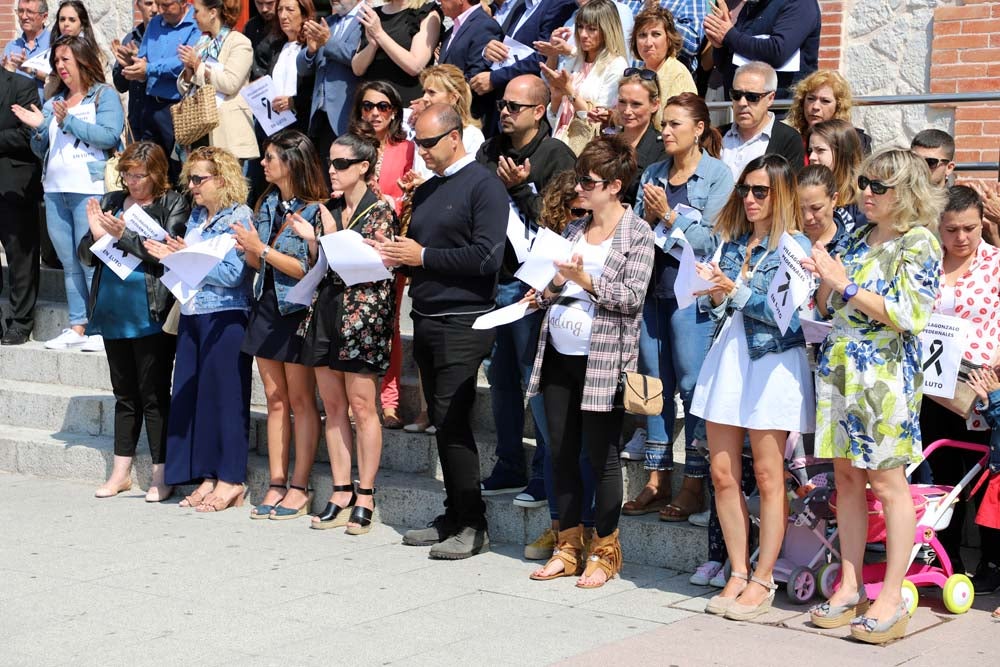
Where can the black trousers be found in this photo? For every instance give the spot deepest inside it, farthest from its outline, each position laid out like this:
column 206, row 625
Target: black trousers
column 158, row 127
column 322, row 136
column 571, row 430
column 19, row 236
column 140, row 376
column 448, row 352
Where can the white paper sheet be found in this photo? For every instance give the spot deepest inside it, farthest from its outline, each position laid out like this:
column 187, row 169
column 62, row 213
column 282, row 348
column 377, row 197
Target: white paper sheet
column 181, row 292
column 259, row 95
column 39, row 61
column 352, row 259
column 791, row 285
column 193, row 263
column 688, row 281
column 518, row 234
column 302, row 292
column 121, row 263
column 790, row 65
column 502, row 316
column 942, row 344
column 516, row 51
column 143, row 224
column 815, row 331
column 538, row 268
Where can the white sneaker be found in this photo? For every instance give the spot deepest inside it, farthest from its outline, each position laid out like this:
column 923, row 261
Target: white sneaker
column 699, row 519
column 94, row 344
column 720, row 578
column 705, row 572
column 67, row 340
column 635, row 449
column 678, row 407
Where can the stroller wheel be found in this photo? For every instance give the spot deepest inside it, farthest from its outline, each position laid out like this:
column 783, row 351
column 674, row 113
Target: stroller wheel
column 910, row 595
column 958, row 594
column 801, row 585
column 828, row 577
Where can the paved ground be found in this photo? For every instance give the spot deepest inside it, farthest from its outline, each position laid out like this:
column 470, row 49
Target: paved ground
column 120, row 582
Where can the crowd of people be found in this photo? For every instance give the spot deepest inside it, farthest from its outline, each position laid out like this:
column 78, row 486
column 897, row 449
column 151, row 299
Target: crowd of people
column 451, row 136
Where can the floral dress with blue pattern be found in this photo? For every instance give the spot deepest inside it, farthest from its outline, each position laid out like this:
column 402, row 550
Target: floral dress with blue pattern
column 869, row 379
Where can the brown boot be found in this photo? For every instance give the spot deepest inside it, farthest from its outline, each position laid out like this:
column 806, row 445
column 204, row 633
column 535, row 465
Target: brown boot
column 569, row 550
column 606, row 555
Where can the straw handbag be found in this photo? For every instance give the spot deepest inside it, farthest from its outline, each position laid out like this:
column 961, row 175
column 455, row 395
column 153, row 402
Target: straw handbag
column 195, row 115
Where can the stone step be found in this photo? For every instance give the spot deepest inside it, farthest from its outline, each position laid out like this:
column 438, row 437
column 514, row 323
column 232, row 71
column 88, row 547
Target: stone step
column 403, row 499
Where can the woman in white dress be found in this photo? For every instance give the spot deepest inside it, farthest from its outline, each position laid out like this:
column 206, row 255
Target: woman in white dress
column 755, row 378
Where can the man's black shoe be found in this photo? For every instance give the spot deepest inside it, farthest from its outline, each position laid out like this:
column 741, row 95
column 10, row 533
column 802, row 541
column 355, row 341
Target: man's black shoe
column 15, row 336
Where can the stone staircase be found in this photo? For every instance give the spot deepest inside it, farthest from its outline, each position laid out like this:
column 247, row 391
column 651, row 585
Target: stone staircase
column 57, row 420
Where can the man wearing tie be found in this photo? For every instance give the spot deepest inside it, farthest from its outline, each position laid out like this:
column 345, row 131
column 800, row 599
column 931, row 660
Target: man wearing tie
column 464, row 43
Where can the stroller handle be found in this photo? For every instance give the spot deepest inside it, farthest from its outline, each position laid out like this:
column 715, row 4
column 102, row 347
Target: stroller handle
column 952, row 444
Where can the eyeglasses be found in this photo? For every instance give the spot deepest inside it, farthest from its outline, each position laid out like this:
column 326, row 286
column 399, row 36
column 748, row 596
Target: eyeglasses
column 28, row 12
column 342, row 163
column 760, row 192
column 587, row 183
column 737, row 95
column 431, row 142
column 269, row 157
column 877, row 187
column 935, row 162
column 195, row 179
column 133, row 178
column 383, row 107
column 513, row 108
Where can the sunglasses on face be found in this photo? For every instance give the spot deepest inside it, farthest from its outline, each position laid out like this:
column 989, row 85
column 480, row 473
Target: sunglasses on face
column 342, row 163
column 587, row 183
column 195, row 179
column 383, row 107
column 935, row 162
column 760, row 192
column 877, row 187
column 752, row 98
column 578, row 212
column 431, row 142
column 513, row 108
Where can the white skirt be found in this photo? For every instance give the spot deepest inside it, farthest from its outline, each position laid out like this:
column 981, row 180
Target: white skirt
column 774, row 392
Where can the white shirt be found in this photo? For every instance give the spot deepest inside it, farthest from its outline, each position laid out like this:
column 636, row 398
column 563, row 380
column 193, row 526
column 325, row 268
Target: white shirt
column 472, row 139
column 571, row 317
column 285, row 75
column 737, row 153
column 946, row 306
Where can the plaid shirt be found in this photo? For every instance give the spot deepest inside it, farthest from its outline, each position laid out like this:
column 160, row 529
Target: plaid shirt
column 689, row 16
column 620, row 291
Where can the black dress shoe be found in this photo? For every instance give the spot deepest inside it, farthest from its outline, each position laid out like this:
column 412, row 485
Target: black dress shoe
column 15, row 336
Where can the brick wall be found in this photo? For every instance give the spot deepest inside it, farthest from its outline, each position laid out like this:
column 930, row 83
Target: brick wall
column 832, row 37
column 965, row 58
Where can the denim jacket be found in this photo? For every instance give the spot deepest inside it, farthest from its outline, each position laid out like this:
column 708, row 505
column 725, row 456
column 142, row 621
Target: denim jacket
column 708, row 189
column 288, row 243
column 763, row 334
column 105, row 134
column 992, row 414
column 229, row 284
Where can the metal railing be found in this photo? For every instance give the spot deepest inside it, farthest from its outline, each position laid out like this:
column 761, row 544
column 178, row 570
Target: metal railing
column 906, row 100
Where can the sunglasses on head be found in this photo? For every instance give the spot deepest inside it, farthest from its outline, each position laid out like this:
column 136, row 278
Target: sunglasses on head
column 737, row 95
column 383, row 107
column 760, row 192
column 644, row 74
column 587, row 183
column 877, row 187
column 935, row 162
column 431, row 142
column 342, row 163
column 194, row 179
column 513, row 108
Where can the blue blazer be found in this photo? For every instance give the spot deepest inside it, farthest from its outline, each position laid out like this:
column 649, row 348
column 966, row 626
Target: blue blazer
column 466, row 53
column 539, row 26
column 333, row 90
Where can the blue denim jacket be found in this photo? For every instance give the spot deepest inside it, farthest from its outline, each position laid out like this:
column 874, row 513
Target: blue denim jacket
column 708, row 189
column 229, row 284
column 106, row 133
column 992, row 414
column 763, row 334
column 269, row 218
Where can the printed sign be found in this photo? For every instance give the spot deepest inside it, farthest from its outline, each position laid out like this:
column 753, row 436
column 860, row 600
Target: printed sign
column 942, row 342
column 259, row 95
column 791, row 285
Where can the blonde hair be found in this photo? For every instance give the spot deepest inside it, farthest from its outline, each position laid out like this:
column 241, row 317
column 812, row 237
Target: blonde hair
column 824, row 77
column 604, row 15
column 451, row 80
column 786, row 214
column 919, row 203
column 234, row 189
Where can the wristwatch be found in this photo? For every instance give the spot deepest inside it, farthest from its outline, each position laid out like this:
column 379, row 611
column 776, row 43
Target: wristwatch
column 263, row 253
column 850, row 291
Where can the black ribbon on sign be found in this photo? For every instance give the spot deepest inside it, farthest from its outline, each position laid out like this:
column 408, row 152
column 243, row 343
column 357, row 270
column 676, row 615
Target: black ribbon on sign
column 783, row 289
column 936, row 349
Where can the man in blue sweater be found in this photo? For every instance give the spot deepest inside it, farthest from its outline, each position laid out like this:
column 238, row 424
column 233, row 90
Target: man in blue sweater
column 453, row 252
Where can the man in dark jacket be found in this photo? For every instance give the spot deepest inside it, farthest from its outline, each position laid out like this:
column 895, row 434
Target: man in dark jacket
column 463, row 44
column 525, row 158
column 124, row 52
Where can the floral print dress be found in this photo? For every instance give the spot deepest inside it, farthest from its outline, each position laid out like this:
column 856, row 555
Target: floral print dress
column 869, row 379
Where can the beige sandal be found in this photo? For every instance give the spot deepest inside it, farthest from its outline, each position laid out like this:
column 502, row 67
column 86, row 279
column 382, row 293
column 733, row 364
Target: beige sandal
column 606, row 555
column 569, row 548
column 719, row 605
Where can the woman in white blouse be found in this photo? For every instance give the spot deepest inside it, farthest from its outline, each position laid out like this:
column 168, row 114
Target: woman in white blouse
column 291, row 14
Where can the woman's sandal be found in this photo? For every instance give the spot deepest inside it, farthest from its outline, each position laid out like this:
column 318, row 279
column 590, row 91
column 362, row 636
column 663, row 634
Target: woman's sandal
column 362, row 515
column 194, row 499
column 335, row 516
column 825, row 615
column 213, row 503
column 569, row 550
column 606, row 555
column 872, row 631
column 280, row 513
column 745, row 612
column 264, row 511
column 719, row 605
column 689, row 501
column 648, row 501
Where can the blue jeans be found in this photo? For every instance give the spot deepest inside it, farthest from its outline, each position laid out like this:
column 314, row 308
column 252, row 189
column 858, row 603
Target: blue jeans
column 673, row 343
column 66, row 220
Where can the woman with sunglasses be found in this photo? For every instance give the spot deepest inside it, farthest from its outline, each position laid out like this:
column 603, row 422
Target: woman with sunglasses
column 349, row 337
column 209, row 427
column 638, row 105
column 880, row 290
column 755, row 379
column 588, row 338
column 834, row 144
column 655, row 42
column 296, row 190
column 687, row 190
column 824, row 95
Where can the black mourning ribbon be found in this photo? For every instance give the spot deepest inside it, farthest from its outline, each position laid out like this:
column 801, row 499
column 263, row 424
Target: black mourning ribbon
column 936, row 349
